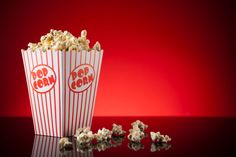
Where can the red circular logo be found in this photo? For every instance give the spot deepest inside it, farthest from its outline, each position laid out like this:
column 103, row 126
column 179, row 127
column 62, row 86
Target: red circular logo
column 42, row 78
column 81, row 78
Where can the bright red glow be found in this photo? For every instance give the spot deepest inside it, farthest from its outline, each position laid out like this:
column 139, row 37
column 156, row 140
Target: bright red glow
column 171, row 58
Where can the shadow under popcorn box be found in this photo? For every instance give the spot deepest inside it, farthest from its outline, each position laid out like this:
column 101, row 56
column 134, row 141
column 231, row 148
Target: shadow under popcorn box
column 62, row 89
column 49, row 146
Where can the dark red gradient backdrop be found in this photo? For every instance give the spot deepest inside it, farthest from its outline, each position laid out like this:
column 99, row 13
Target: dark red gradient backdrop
column 161, row 58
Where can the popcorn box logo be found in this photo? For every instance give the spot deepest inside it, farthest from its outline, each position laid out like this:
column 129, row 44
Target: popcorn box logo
column 43, row 78
column 81, row 78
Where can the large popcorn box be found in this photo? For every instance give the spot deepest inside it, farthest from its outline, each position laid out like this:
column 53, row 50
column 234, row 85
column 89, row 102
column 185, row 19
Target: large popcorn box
column 62, row 88
column 49, row 146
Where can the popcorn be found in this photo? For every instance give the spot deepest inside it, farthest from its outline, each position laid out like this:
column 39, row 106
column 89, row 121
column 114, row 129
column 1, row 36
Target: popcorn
column 136, row 135
column 82, row 130
column 117, row 130
column 65, row 144
column 157, row 137
column 103, row 135
column 140, row 124
column 97, row 46
column 58, row 40
column 84, row 136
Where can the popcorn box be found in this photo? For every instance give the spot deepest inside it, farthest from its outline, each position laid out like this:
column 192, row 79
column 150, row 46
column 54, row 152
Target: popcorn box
column 62, row 88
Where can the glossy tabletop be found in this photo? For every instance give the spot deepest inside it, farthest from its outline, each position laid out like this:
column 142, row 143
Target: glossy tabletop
column 190, row 137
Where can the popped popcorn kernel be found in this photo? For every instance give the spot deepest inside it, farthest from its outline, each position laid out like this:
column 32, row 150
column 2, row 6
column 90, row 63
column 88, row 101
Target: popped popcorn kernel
column 84, row 136
column 103, row 135
column 97, row 46
column 158, row 137
column 117, row 130
column 135, row 134
column 82, row 130
column 140, row 124
column 64, row 143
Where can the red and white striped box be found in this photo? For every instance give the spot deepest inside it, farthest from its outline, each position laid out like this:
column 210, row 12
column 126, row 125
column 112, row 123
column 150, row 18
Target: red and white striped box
column 62, row 89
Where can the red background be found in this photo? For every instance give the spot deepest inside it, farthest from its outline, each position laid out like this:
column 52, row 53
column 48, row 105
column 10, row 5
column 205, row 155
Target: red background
column 161, row 58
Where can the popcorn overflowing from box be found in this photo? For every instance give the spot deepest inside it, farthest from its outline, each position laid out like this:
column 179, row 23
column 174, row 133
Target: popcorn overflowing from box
column 62, row 74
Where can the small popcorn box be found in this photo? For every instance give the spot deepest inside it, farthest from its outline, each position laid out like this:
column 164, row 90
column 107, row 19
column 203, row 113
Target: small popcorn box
column 62, row 88
column 49, row 146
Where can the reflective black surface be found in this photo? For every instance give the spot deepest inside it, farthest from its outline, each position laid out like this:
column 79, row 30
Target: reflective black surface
column 190, row 137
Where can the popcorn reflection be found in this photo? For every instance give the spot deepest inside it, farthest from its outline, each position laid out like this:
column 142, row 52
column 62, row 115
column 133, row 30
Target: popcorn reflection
column 135, row 146
column 49, row 146
column 102, row 146
column 159, row 146
column 117, row 140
